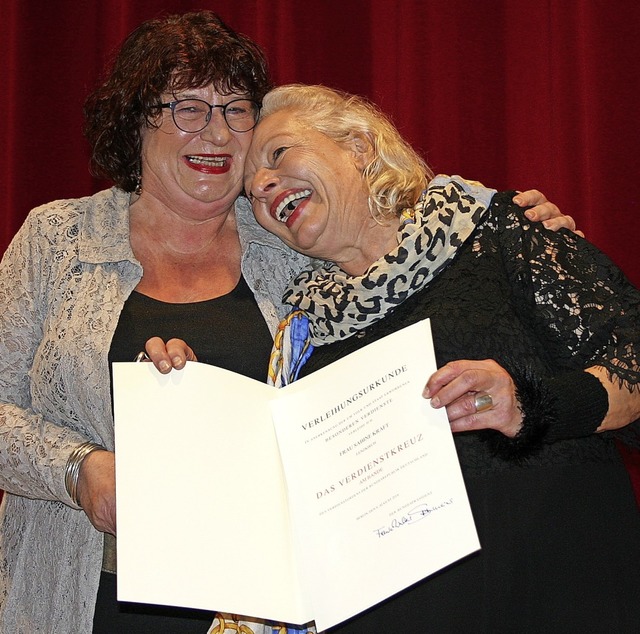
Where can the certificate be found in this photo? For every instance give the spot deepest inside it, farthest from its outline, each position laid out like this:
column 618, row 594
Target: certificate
column 312, row 502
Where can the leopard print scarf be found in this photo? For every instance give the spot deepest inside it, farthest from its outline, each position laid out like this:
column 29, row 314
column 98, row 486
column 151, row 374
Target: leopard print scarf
column 339, row 305
column 329, row 305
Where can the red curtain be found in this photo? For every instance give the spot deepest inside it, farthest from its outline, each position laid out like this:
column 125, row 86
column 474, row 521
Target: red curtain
column 534, row 93
column 516, row 94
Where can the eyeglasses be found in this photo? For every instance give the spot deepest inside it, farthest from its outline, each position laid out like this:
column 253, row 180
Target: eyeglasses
column 193, row 115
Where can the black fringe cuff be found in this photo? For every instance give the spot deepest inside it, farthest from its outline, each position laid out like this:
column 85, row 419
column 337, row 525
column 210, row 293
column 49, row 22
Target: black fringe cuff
column 581, row 402
column 568, row 406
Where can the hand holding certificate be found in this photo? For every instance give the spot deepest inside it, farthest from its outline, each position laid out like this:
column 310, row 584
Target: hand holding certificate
column 312, row 502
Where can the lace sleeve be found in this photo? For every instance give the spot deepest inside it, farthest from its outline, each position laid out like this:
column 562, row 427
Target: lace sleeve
column 581, row 301
column 33, row 451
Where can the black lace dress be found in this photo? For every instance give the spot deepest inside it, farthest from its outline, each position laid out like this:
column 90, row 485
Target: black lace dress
column 559, row 528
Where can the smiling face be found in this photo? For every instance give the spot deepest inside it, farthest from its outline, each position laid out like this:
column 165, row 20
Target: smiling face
column 194, row 170
column 309, row 190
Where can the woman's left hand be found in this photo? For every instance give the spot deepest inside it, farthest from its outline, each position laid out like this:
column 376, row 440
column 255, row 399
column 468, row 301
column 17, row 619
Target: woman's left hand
column 543, row 210
column 173, row 354
column 477, row 395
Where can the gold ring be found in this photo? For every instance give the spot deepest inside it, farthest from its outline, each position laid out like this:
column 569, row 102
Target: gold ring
column 483, row 401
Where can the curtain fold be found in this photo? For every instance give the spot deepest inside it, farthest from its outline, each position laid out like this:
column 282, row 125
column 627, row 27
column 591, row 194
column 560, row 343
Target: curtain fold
column 515, row 94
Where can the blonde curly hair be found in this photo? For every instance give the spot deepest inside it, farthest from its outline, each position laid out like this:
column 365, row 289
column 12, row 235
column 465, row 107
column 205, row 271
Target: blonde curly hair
column 396, row 175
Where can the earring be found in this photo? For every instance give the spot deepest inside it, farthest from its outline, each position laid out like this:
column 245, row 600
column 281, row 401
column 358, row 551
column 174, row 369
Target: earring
column 138, row 188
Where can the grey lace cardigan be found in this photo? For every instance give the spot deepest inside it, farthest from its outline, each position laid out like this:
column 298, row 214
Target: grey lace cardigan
column 63, row 282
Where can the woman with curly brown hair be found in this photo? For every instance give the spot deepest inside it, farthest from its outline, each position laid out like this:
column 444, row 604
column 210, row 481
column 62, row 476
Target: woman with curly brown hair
column 88, row 281
column 171, row 250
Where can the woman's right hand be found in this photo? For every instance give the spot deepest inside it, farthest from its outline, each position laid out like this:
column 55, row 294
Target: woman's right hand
column 97, row 489
column 172, row 355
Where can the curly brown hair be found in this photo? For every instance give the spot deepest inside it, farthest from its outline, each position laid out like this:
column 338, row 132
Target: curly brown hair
column 191, row 50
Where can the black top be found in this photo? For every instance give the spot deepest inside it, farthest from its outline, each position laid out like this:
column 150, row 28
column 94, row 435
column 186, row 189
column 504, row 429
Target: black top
column 228, row 331
column 559, row 530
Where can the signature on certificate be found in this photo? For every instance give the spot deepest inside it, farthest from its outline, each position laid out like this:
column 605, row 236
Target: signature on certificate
column 411, row 517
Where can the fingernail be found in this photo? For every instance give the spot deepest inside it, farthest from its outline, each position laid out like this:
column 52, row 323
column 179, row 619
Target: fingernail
column 435, row 402
column 426, row 393
column 530, row 214
column 164, row 366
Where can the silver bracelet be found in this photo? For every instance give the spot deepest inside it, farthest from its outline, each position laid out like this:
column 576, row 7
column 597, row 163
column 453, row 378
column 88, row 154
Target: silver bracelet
column 72, row 470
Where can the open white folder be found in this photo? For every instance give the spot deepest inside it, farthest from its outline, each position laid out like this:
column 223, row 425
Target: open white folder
column 312, row 502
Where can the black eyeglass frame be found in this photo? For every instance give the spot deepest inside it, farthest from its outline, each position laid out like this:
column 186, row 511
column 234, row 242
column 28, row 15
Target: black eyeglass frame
column 172, row 106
